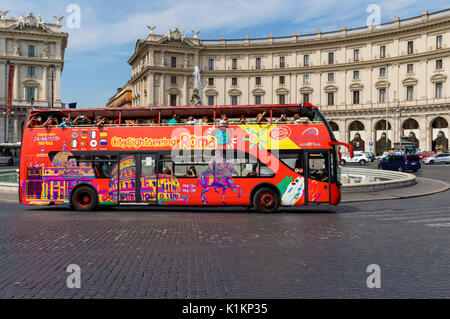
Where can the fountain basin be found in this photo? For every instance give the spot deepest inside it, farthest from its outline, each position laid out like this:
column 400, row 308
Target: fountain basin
column 371, row 180
column 9, row 180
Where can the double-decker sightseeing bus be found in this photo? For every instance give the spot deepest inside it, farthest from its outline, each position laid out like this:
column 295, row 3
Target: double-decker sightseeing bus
column 261, row 156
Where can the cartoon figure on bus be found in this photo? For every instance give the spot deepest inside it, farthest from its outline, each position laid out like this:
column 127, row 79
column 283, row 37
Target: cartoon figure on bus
column 219, row 174
column 293, row 192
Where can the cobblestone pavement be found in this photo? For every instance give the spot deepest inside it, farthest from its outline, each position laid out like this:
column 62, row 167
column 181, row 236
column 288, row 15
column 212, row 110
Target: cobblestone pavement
column 311, row 252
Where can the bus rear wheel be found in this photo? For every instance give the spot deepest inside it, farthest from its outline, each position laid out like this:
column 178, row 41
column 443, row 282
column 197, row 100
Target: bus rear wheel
column 84, row 198
column 266, row 200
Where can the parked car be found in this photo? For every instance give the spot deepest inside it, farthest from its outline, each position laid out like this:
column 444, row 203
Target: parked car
column 6, row 160
column 380, row 157
column 358, row 157
column 370, row 155
column 426, row 154
column 401, row 162
column 443, row 158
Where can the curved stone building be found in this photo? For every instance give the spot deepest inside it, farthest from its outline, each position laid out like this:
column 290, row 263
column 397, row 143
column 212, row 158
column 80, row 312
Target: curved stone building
column 353, row 75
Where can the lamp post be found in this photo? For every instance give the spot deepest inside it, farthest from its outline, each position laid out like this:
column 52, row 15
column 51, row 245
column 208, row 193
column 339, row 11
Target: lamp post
column 6, row 101
column 400, row 109
column 387, row 107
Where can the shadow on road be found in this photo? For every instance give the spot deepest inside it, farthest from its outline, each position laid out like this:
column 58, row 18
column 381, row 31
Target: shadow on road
column 195, row 209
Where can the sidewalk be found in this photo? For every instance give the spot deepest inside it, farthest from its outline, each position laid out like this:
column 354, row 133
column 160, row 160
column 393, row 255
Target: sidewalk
column 424, row 186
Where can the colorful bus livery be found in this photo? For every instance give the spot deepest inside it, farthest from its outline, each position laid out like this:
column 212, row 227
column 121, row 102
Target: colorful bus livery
column 261, row 165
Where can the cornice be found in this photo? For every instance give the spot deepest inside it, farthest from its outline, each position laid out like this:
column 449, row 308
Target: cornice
column 415, row 57
column 409, row 111
column 28, row 60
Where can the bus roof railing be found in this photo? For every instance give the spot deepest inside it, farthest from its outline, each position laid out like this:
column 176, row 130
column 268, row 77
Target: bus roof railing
column 167, row 111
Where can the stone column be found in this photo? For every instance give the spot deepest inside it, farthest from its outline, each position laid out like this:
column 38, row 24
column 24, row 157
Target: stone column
column 424, row 133
column 185, row 91
column 151, row 89
column 2, row 81
column 291, row 96
column 14, row 137
column 161, row 89
column 16, row 86
column 57, row 86
column 151, row 58
column 45, row 84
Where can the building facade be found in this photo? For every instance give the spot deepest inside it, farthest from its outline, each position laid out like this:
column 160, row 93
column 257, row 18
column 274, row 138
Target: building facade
column 36, row 50
column 353, row 75
column 122, row 98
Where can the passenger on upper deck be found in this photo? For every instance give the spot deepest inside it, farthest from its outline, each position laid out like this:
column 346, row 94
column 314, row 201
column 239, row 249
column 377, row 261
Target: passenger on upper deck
column 51, row 121
column 205, row 120
column 261, row 119
column 243, row 120
column 298, row 120
column 174, row 121
column 81, row 120
column 223, row 120
column 137, row 122
column 35, row 121
column 65, row 122
column 190, row 121
column 283, row 119
column 99, row 120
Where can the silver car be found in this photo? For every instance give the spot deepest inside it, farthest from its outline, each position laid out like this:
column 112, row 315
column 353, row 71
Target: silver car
column 443, row 158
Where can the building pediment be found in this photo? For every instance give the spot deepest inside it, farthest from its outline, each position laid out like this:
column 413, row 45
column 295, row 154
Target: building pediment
column 173, row 91
column 356, row 86
column 234, row 92
column 30, row 23
column 330, row 88
column 258, row 91
column 438, row 78
column 381, row 84
column 409, row 81
column 175, row 37
column 306, row 90
column 31, row 83
column 282, row 91
column 210, row 92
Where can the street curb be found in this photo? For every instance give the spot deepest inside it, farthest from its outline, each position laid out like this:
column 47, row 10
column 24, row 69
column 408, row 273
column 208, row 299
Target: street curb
column 445, row 186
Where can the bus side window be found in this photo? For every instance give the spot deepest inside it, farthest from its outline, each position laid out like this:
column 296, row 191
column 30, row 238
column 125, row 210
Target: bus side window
column 292, row 159
column 265, row 171
column 166, row 167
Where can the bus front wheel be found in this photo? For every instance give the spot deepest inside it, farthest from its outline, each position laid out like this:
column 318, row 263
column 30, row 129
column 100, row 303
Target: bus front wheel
column 84, row 198
column 266, row 200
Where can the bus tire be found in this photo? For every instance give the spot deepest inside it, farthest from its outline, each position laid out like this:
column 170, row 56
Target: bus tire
column 84, row 198
column 266, row 200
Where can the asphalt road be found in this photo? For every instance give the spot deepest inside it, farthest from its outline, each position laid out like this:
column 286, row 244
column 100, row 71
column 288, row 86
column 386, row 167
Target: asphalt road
column 311, row 252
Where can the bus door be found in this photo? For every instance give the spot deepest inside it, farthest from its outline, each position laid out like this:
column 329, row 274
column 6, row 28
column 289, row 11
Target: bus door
column 137, row 178
column 127, row 178
column 318, row 175
column 147, row 185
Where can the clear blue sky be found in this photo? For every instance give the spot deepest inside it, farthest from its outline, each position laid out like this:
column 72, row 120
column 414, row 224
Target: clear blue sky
column 97, row 53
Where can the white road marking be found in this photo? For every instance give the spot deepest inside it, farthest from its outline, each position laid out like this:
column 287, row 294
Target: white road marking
column 438, row 225
column 430, row 220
